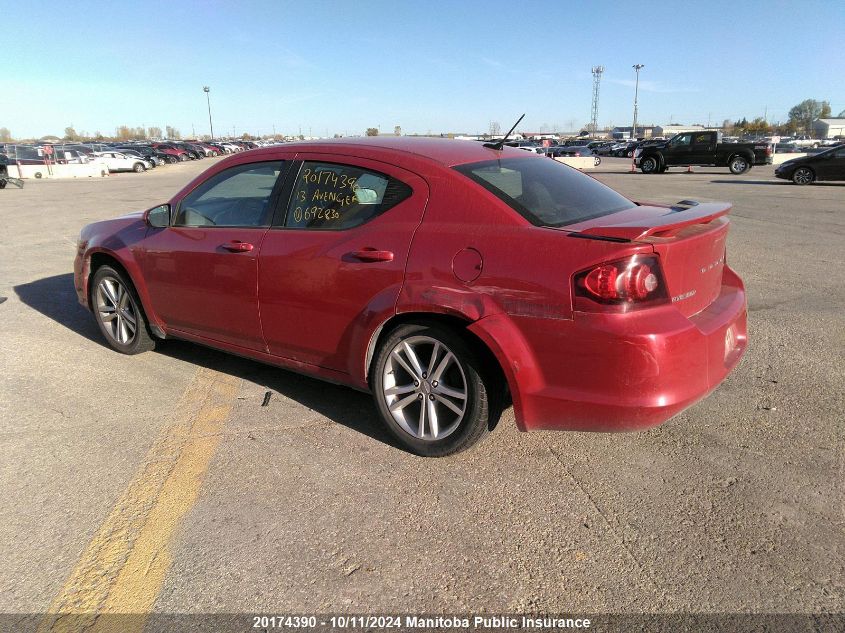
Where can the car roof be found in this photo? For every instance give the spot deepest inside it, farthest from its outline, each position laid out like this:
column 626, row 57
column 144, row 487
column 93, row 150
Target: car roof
column 447, row 152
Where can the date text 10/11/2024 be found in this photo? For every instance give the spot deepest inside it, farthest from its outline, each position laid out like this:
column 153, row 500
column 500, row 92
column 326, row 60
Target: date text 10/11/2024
column 419, row 622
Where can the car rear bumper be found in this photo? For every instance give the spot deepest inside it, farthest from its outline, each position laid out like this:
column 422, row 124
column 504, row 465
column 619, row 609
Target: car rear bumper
column 616, row 372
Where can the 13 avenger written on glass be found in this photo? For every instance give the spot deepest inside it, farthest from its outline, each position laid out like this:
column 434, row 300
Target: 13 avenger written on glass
column 333, row 197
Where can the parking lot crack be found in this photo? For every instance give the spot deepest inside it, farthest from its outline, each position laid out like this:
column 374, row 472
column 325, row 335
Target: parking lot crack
column 610, row 522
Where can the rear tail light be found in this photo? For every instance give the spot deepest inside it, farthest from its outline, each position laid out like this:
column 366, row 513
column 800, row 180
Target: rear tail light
column 621, row 285
column 768, row 150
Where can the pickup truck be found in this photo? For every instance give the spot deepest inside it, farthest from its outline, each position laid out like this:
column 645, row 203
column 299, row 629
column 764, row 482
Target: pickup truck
column 701, row 148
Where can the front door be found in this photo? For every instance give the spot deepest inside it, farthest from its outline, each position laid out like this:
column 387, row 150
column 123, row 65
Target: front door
column 202, row 271
column 679, row 151
column 832, row 168
column 336, row 255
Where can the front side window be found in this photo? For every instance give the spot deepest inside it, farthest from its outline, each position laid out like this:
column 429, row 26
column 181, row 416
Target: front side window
column 239, row 196
column 686, row 139
column 546, row 192
column 329, row 196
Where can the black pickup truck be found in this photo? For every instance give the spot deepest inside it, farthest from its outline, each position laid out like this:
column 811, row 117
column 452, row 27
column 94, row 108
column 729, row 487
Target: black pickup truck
column 701, row 148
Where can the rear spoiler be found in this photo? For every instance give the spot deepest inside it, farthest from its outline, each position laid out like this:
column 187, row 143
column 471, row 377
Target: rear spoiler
column 680, row 215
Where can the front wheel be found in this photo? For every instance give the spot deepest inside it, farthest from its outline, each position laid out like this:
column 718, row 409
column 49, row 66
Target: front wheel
column 738, row 165
column 649, row 165
column 172, row 159
column 432, row 390
column 118, row 312
column 138, row 168
column 597, row 161
column 803, row 176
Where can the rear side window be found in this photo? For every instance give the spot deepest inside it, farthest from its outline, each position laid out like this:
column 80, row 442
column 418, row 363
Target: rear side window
column 546, row 192
column 330, row 196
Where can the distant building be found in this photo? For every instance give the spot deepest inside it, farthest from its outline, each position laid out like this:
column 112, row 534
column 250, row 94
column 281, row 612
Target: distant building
column 670, row 130
column 828, row 128
column 643, row 131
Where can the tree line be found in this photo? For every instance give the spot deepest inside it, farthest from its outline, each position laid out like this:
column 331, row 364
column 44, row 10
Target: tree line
column 121, row 133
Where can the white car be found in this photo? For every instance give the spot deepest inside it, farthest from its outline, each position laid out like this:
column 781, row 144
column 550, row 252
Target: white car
column 118, row 161
column 805, row 141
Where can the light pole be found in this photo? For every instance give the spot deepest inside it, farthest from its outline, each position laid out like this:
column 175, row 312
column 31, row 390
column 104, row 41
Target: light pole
column 206, row 90
column 636, row 90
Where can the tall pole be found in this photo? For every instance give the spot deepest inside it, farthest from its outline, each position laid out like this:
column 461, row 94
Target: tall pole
column 636, row 90
column 206, row 90
column 594, row 111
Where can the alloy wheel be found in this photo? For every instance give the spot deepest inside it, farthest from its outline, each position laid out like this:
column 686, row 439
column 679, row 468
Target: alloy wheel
column 116, row 311
column 802, row 176
column 425, row 388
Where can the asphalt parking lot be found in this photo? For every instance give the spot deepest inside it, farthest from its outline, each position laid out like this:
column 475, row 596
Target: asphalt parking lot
column 161, row 482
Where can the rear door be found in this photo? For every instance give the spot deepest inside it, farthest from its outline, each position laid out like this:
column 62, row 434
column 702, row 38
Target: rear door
column 703, row 149
column 335, row 254
column 202, row 271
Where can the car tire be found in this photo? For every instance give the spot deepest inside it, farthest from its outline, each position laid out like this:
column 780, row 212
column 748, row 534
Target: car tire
column 2, row 184
column 738, row 164
column 172, row 159
column 440, row 378
column 214, row 154
column 112, row 293
column 803, row 176
column 183, row 158
column 630, row 154
column 138, row 168
column 650, row 165
column 597, row 161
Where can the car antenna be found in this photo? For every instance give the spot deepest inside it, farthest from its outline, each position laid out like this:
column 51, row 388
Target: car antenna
column 500, row 144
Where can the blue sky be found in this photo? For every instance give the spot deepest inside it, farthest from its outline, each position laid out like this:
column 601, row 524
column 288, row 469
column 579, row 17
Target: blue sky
column 340, row 67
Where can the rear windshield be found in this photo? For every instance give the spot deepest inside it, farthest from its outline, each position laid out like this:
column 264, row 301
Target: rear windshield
column 546, row 192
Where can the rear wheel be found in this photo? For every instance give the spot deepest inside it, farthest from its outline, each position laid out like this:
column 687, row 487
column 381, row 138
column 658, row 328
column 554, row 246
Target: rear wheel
column 172, row 159
column 118, row 312
column 432, row 390
column 803, row 176
column 649, row 165
column 738, row 165
column 183, row 157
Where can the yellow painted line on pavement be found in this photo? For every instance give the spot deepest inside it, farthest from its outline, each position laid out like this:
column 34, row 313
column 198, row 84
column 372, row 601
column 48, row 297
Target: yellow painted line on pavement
column 123, row 568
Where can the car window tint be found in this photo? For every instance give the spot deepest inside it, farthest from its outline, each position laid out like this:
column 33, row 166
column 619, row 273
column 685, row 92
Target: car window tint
column 840, row 153
column 329, row 196
column 239, row 196
column 686, row 139
column 545, row 192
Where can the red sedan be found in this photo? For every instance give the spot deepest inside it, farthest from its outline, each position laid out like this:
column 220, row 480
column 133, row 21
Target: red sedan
column 448, row 278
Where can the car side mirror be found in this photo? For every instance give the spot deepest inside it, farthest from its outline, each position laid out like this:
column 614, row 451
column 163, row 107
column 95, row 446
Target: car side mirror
column 158, row 217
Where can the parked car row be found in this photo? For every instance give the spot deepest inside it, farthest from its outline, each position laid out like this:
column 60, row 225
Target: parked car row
column 121, row 156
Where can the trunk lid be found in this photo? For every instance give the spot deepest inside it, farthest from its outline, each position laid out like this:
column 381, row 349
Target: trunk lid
column 689, row 237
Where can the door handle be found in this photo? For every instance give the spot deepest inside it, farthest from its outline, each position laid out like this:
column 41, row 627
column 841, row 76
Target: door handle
column 236, row 246
column 372, row 255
